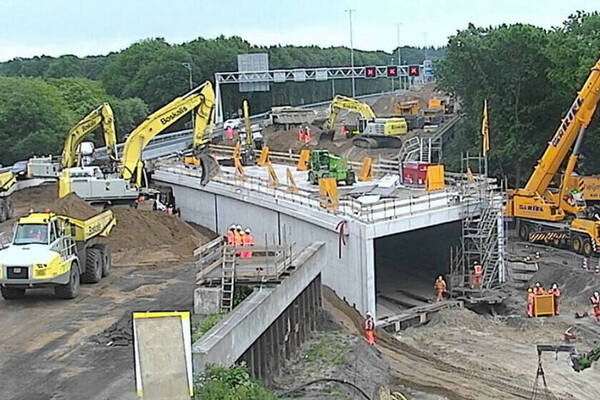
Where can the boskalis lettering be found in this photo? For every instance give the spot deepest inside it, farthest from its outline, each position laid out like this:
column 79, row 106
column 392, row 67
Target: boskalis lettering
column 567, row 121
column 165, row 120
column 88, row 125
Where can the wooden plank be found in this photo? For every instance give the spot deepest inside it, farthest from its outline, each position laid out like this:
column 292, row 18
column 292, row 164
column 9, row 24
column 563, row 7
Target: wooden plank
column 417, row 311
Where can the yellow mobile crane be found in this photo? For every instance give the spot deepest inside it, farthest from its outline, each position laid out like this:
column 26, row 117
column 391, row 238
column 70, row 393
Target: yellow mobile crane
column 92, row 185
column 372, row 132
column 555, row 216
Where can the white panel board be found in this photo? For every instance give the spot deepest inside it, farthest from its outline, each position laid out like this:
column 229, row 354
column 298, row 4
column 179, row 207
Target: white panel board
column 321, row 74
column 299, row 75
column 252, row 63
column 163, row 355
column 279, row 76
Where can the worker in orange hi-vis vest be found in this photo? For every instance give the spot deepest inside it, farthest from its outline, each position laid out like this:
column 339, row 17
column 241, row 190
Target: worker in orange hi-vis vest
column 369, row 327
column 530, row 302
column 307, row 135
column 301, row 134
column 238, row 241
column 477, row 275
column 595, row 300
column 230, row 132
column 248, row 242
column 231, row 236
column 440, row 288
column 555, row 291
column 538, row 289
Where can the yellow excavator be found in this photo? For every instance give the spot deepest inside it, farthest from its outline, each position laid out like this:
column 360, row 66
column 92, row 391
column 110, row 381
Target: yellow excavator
column 91, row 184
column 7, row 187
column 371, row 132
column 558, row 217
column 75, row 149
column 101, row 116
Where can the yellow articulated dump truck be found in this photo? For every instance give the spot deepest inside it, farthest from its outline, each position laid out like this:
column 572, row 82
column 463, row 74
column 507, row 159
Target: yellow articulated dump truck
column 51, row 250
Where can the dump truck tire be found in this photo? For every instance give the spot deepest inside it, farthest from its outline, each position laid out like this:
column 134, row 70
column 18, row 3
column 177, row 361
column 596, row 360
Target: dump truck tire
column 93, row 266
column 10, row 293
column 106, row 258
column 71, row 289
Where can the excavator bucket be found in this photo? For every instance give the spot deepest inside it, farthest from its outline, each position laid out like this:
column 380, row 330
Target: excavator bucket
column 210, row 167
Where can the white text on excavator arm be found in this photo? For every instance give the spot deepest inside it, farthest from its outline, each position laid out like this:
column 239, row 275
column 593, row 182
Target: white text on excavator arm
column 200, row 99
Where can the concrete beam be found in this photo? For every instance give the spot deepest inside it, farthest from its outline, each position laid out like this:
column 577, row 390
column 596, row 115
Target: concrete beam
column 229, row 339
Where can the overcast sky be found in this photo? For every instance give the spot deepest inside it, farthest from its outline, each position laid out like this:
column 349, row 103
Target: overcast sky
column 56, row 27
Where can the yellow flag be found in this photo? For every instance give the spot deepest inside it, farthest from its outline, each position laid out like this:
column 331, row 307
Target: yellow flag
column 485, row 129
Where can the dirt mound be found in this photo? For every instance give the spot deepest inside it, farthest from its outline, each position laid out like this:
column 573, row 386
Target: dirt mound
column 38, row 198
column 73, row 206
column 152, row 238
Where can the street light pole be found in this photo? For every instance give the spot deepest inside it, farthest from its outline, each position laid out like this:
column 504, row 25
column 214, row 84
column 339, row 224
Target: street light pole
column 399, row 56
column 188, row 66
column 350, row 11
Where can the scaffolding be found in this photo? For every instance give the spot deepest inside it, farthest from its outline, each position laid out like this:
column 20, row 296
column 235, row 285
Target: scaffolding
column 483, row 238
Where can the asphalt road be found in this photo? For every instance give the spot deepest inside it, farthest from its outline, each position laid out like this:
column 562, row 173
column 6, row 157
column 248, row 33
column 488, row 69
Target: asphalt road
column 59, row 349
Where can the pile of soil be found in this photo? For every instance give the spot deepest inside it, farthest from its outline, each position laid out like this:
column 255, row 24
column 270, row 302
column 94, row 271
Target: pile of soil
column 152, row 238
column 73, row 206
column 37, row 198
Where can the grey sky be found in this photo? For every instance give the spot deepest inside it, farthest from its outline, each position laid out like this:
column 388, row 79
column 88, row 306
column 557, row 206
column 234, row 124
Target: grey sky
column 55, row 27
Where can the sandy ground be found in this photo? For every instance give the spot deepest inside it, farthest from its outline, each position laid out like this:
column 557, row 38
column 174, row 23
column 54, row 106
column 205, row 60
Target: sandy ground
column 464, row 355
column 81, row 349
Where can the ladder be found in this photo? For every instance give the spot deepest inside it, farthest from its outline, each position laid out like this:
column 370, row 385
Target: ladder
column 227, row 279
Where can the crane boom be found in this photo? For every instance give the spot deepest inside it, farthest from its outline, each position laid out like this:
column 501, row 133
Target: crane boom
column 201, row 100
column 101, row 116
column 573, row 125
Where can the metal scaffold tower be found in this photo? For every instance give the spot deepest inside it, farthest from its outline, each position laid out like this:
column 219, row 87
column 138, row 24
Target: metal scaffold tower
column 483, row 238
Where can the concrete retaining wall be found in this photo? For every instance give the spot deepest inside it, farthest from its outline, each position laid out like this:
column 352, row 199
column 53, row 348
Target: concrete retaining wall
column 229, row 339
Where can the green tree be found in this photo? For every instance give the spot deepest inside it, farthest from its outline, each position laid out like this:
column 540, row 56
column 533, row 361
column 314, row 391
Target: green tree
column 34, row 118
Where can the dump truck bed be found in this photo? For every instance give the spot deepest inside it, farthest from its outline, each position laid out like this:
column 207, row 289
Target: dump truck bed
column 98, row 225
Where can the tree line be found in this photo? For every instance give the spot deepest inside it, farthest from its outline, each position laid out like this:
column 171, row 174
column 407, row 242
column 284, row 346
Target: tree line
column 529, row 76
column 42, row 97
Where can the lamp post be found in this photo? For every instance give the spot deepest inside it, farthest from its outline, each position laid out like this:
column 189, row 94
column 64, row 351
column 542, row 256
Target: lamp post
column 188, row 66
column 350, row 11
column 399, row 56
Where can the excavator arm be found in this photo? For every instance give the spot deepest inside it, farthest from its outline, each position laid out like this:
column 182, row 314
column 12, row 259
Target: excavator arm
column 347, row 103
column 101, row 116
column 247, row 124
column 201, row 101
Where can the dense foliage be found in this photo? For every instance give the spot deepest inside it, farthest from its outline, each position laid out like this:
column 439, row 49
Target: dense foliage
column 234, row 383
column 148, row 74
column 530, row 77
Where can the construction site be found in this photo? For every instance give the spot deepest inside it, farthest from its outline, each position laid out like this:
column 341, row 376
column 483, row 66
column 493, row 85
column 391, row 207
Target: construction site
column 330, row 250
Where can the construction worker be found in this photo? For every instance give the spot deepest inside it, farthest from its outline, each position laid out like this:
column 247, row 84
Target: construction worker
column 369, row 327
column 344, row 131
column 231, row 236
column 307, row 135
column 238, row 238
column 301, row 134
column 477, row 275
column 595, row 300
column 555, row 291
column 530, row 302
column 248, row 242
column 230, row 132
column 538, row 289
column 440, row 288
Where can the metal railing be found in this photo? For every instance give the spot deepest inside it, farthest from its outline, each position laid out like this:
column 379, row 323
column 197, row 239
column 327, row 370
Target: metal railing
column 381, row 210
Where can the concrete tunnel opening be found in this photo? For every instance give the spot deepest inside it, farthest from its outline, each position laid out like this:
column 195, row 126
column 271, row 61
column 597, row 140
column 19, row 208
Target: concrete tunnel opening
column 407, row 264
